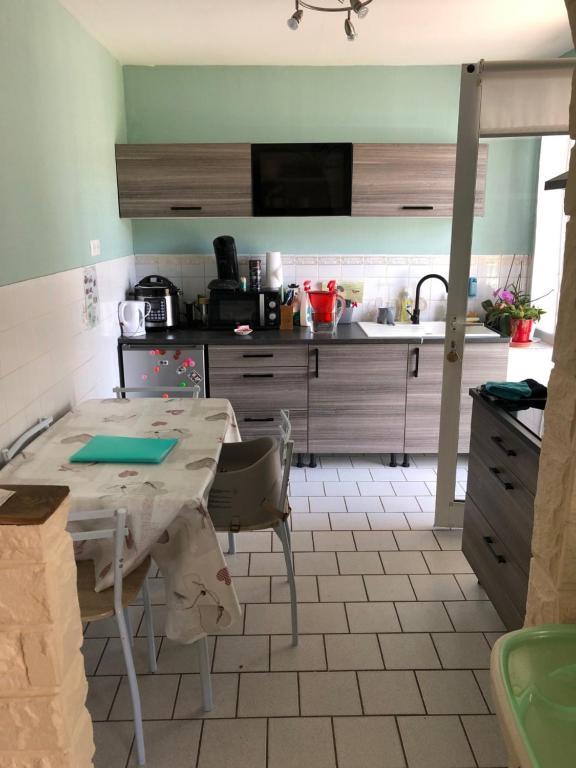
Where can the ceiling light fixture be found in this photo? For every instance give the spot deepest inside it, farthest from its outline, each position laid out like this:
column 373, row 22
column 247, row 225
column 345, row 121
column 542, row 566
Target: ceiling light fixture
column 359, row 7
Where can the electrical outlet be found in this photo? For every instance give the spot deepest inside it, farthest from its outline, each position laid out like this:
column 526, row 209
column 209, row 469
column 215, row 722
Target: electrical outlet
column 95, row 248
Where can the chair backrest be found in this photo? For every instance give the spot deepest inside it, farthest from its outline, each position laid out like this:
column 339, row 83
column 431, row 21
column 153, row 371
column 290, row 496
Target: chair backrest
column 25, row 438
column 117, row 532
column 287, row 449
column 152, row 391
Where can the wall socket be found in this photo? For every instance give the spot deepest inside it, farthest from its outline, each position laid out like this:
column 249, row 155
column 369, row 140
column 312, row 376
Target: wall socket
column 95, row 249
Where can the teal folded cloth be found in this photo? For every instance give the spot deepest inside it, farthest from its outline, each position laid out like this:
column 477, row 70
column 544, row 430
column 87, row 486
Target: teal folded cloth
column 508, row 390
column 111, row 449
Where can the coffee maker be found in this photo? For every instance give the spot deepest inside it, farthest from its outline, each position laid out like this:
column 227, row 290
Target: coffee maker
column 227, row 265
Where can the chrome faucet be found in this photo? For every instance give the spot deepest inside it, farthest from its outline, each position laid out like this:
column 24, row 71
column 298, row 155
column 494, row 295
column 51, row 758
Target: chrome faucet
column 415, row 314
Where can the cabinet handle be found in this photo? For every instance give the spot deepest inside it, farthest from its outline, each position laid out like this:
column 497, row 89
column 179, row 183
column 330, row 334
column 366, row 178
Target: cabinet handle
column 185, row 207
column 500, row 444
column 257, row 375
column 417, row 365
column 265, row 418
column 317, row 356
column 498, row 475
column 489, row 541
column 263, row 354
column 417, row 207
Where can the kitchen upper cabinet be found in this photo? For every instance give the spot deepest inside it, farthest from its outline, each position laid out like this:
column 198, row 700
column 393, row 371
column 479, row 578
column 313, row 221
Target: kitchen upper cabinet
column 482, row 362
column 356, row 398
column 184, row 180
column 409, row 179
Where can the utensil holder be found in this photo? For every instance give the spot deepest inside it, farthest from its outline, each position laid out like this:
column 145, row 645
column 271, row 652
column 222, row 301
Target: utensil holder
column 286, row 318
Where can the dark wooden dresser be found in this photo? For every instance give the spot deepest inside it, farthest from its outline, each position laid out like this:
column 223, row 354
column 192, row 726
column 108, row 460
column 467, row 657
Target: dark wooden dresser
column 499, row 511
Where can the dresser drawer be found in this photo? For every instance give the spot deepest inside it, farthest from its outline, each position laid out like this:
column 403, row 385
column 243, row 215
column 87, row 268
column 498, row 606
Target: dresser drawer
column 261, row 388
column 505, row 583
column 494, row 438
column 246, row 356
column 253, row 424
column 505, row 503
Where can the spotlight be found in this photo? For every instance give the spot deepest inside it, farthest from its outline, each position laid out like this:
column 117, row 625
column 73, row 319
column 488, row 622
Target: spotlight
column 349, row 29
column 296, row 18
column 359, row 9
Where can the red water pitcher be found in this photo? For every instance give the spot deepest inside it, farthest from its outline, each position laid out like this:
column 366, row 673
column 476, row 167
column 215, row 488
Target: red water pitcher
column 327, row 308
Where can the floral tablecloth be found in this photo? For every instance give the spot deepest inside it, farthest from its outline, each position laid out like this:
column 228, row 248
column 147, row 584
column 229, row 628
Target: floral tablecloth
column 166, row 503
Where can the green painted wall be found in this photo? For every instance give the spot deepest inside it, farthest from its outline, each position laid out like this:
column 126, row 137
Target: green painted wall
column 406, row 104
column 61, row 111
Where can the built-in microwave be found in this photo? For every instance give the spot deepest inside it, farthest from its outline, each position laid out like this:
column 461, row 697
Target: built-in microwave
column 258, row 309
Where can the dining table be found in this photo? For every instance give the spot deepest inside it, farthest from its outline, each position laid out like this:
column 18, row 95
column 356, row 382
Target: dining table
column 166, row 503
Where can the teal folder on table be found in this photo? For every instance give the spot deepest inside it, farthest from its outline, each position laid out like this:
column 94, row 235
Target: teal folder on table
column 110, row 449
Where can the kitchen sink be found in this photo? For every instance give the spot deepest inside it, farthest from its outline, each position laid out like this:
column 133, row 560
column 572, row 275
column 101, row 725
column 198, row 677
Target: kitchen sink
column 426, row 330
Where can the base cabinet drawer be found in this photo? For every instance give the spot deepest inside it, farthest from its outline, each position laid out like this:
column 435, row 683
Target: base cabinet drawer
column 287, row 356
column 354, row 430
column 261, row 389
column 503, row 580
column 254, row 424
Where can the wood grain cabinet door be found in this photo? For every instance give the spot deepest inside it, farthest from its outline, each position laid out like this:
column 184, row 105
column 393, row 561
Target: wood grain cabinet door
column 356, row 397
column 482, row 362
column 409, row 179
column 184, row 180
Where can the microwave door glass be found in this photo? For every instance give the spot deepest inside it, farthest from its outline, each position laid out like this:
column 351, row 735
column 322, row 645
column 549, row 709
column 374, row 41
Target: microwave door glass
column 237, row 312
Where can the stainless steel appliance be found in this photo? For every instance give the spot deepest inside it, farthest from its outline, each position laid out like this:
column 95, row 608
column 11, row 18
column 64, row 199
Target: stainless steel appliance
column 227, row 309
column 162, row 295
column 170, row 366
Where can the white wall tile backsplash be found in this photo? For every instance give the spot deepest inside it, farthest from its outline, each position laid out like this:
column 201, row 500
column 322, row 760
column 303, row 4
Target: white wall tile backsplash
column 49, row 358
column 385, row 277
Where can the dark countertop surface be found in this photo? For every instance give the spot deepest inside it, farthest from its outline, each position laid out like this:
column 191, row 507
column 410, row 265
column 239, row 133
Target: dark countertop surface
column 345, row 334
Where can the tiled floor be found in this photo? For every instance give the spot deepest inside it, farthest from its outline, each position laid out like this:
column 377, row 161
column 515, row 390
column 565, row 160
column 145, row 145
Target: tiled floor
column 392, row 666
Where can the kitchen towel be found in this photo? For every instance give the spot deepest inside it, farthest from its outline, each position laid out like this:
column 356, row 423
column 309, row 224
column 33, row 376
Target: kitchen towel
column 274, row 274
column 110, row 449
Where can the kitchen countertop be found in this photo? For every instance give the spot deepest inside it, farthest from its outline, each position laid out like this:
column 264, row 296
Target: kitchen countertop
column 345, row 334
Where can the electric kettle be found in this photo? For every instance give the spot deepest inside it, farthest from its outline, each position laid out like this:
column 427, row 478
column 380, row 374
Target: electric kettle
column 132, row 316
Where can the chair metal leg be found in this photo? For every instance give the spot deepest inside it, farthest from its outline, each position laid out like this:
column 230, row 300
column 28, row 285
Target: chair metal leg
column 148, row 618
column 231, row 543
column 288, row 533
column 281, row 531
column 205, row 679
column 133, row 685
column 128, row 621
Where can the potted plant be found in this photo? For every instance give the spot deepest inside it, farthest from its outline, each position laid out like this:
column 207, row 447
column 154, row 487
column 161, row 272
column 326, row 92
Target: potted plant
column 513, row 313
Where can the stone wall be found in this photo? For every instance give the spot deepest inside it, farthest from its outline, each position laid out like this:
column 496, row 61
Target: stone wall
column 552, row 588
column 44, row 722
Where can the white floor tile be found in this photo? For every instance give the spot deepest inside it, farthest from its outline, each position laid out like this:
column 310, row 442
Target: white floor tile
column 426, row 503
column 169, row 744
column 469, row 585
column 363, row 504
column 314, row 563
column 252, row 589
column 254, row 541
column 112, row 661
column 308, row 655
column 299, row 504
column 292, row 741
column 474, row 616
column 421, row 521
column 234, row 744
column 410, row 489
column 437, row 587
column 354, row 651
column 387, row 522
column 449, row 540
column 241, row 654
column 349, row 521
column 329, row 693
column 423, row 617
column 374, row 541
column 484, row 735
column 409, row 651
column 386, row 473
column 268, row 694
column 372, row 617
column 359, row 563
column 321, row 474
column 447, row 562
column 363, row 741
column 336, row 460
column 390, row 693
column 451, row 692
column 341, row 489
column 354, row 474
column 112, row 742
column 334, row 541
column 306, row 489
column 306, row 589
column 376, row 488
column 301, row 541
column 336, row 589
column 403, row 562
column 267, row 564
column 176, row 659
column 435, row 742
column 327, row 504
column 462, row 650
column 316, row 521
column 157, row 696
column 189, row 700
column 389, row 588
column 366, row 460
column 417, row 474
column 400, row 504
column 413, row 540
column 322, row 618
column 101, row 693
column 92, row 650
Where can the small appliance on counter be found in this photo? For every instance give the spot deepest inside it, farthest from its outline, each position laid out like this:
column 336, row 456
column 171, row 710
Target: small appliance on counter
column 132, row 316
column 162, row 295
column 231, row 306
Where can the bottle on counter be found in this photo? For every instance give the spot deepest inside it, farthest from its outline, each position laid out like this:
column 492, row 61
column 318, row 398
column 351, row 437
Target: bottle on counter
column 405, row 304
column 305, row 308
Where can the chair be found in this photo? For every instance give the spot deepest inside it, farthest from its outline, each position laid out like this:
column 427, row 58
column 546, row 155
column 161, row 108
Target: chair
column 155, row 391
column 95, row 606
column 250, row 493
column 25, row 438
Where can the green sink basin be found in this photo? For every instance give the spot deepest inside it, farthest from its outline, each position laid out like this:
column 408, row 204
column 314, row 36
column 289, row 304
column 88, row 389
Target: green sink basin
column 538, row 671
